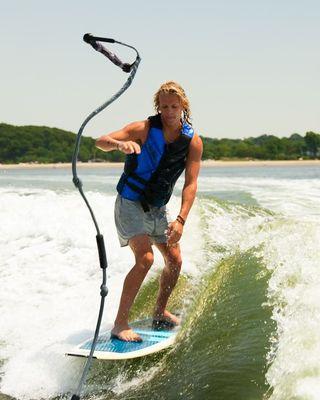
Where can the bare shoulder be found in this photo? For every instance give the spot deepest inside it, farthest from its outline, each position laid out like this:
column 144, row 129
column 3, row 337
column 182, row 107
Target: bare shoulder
column 137, row 130
column 196, row 148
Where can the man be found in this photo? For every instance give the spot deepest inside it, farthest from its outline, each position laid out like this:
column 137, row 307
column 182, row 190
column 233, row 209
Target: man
column 158, row 150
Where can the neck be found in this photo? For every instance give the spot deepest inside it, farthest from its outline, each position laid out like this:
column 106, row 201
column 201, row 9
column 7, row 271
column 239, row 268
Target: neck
column 172, row 130
column 171, row 133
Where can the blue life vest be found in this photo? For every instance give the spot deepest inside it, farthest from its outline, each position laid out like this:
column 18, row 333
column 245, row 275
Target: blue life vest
column 150, row 176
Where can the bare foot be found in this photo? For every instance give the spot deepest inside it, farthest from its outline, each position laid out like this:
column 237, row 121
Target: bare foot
column 126, row 334
column 167, row 316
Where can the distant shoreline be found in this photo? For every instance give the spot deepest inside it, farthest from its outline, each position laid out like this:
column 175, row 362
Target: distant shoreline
column 206, row 163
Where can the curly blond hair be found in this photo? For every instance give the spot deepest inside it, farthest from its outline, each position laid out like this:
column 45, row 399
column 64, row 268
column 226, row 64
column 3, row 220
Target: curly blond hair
column 174, row 88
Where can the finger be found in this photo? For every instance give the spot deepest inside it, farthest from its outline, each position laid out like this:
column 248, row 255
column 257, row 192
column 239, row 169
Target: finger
column 173, row 237
column 136, row 148
column 125, row 147
column 129, row 148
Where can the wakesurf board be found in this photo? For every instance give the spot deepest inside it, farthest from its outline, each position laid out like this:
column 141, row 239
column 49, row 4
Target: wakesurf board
column 110, row 348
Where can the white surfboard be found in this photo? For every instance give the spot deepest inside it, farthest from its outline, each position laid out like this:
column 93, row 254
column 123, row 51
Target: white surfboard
column 108, row 348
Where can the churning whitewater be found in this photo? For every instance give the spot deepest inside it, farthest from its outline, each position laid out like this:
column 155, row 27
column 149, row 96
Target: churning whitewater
column 249, row 291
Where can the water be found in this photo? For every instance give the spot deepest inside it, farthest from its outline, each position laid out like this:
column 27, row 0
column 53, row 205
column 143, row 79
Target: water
column 250, row 289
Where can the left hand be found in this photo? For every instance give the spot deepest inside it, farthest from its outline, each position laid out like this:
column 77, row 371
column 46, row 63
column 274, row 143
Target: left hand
column 174, row 232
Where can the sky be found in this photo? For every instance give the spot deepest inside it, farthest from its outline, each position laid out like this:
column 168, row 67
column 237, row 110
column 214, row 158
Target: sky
column 249, row 67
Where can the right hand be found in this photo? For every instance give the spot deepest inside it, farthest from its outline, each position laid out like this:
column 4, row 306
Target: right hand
column 129, row 147
column 174, row 233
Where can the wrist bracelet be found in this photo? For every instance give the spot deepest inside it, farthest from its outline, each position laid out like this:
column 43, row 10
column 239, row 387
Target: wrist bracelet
column 181, row 220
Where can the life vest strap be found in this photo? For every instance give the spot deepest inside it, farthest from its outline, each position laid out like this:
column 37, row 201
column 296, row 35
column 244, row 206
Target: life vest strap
column 144, row 205
column 137, row 178
column 134, row 187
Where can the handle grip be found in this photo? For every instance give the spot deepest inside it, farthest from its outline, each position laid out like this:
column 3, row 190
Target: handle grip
column 88, row 38
column 92, row 40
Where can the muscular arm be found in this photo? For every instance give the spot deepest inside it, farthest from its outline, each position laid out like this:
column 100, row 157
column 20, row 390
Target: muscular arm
column 189, row 189
column 127, row 139
column 191, row 176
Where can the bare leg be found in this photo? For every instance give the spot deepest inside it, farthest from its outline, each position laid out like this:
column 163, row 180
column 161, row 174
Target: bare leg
column 168, row 280
column 142, row 250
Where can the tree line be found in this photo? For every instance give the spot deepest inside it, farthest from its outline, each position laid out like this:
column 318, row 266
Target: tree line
column 51, row 145
column 265, row 147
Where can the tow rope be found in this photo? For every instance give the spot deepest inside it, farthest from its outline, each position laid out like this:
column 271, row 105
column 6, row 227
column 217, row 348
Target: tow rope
column 128, row 68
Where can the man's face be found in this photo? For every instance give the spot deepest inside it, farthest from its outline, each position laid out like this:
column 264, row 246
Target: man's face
column 170, row 108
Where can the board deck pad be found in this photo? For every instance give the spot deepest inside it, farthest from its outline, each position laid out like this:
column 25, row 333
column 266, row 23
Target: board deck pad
column 108, row 348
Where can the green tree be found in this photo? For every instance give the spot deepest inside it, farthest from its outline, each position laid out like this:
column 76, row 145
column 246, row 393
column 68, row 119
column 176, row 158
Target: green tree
column 312, row 141
column 44, row 144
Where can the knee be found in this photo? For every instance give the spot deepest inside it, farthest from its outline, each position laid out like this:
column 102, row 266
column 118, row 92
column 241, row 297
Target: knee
column 145, row 260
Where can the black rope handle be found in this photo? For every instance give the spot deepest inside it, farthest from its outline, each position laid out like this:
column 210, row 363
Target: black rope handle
column 93, row 40
column 128, row 68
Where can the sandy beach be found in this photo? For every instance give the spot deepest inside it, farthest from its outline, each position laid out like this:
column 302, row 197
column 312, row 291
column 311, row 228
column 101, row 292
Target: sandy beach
column 206, row 163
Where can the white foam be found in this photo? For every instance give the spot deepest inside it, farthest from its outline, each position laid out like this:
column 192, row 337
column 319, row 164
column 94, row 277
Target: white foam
column 294, row 290
column 290, row 249
column 50, row 276
column 50, row 279
column 292, row 197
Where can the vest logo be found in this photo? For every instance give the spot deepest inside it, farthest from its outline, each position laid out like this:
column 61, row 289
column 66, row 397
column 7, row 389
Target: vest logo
column 187, row 130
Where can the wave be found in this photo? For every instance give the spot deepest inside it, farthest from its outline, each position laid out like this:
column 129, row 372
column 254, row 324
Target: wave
column 249, row 296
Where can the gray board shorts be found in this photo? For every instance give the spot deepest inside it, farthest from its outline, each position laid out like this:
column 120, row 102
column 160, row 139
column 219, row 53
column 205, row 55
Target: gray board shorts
column 131, row 220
